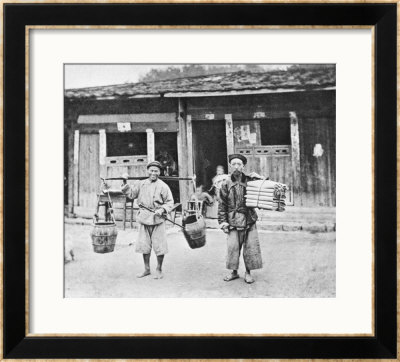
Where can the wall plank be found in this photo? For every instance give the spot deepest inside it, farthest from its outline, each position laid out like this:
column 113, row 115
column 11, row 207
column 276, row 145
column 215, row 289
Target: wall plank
column 127, row 118
column 89, row 173
column 139, row 127
column 182, row 152
column 296, row 173
column 71, row 168
column 150, row 145
column 318, row 172
column 189, row 136
column 229, row 134
column 102, row 152
column 76, row 168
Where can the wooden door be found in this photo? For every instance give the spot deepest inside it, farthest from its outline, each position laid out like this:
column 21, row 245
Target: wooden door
column 89, row 173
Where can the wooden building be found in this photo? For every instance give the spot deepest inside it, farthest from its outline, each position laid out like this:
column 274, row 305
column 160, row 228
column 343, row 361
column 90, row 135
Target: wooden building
column 284, row 122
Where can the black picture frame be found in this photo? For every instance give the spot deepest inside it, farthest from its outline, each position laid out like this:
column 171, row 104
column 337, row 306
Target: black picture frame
column 16, row 344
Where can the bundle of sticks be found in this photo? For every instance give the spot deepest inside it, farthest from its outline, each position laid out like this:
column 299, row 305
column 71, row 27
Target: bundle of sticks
column 266, row 194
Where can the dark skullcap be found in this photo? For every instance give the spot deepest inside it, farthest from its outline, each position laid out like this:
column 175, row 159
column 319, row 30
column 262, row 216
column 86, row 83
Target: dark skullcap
column 239, row 156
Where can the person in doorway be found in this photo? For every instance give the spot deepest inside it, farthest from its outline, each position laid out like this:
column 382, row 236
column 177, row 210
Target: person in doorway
column 217, row 181
column 204, row 197
column 239, row 221
column 154, row 194
column 167, row 162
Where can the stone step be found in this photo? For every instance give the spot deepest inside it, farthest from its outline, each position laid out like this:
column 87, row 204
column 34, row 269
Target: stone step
column 313, row 227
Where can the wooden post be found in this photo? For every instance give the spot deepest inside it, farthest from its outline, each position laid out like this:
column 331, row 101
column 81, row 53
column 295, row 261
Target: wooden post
column 182, row 153
column 76, row 168
column 150, row 145
column 229, row 135
column 294, row 135
column 71, row 168
column 102, row 152
column 189, row 133
column 331, row 201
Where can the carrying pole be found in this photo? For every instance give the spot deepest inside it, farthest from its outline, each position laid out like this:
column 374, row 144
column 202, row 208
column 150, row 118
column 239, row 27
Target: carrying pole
column 166, row 178
column 164, row 217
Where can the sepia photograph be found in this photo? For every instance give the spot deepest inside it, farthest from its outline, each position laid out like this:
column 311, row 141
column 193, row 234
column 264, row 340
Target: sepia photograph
column 199, row 180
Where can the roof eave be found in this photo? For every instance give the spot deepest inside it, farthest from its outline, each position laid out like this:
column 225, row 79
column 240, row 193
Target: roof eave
column 241, row 92
column 207, row 94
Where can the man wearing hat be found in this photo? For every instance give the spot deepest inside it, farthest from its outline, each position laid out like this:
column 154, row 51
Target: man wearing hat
column 154, row 194
column 239, row 221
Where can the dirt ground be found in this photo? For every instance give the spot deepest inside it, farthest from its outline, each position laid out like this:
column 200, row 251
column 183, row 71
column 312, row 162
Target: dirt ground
column 296, row 264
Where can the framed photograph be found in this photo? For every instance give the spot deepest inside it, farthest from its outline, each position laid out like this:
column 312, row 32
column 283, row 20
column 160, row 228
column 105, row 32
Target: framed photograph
column 199, row 180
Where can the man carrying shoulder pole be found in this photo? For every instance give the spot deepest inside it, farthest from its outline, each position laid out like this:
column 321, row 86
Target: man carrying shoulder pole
column 156, row 196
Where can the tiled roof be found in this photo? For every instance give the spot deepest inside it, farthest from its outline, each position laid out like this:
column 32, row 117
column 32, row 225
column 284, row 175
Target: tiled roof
column 293, row 79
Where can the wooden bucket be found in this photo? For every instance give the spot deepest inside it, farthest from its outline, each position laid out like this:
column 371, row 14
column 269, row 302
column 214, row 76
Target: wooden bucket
column 104, row 236
column 194, row 231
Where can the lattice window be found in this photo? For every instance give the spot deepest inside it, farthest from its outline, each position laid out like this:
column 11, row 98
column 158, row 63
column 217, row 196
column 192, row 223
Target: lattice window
column 278, row 150
column 119, row 161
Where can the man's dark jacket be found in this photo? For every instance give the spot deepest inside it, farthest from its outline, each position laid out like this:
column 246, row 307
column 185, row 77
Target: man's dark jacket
column 232, row 205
